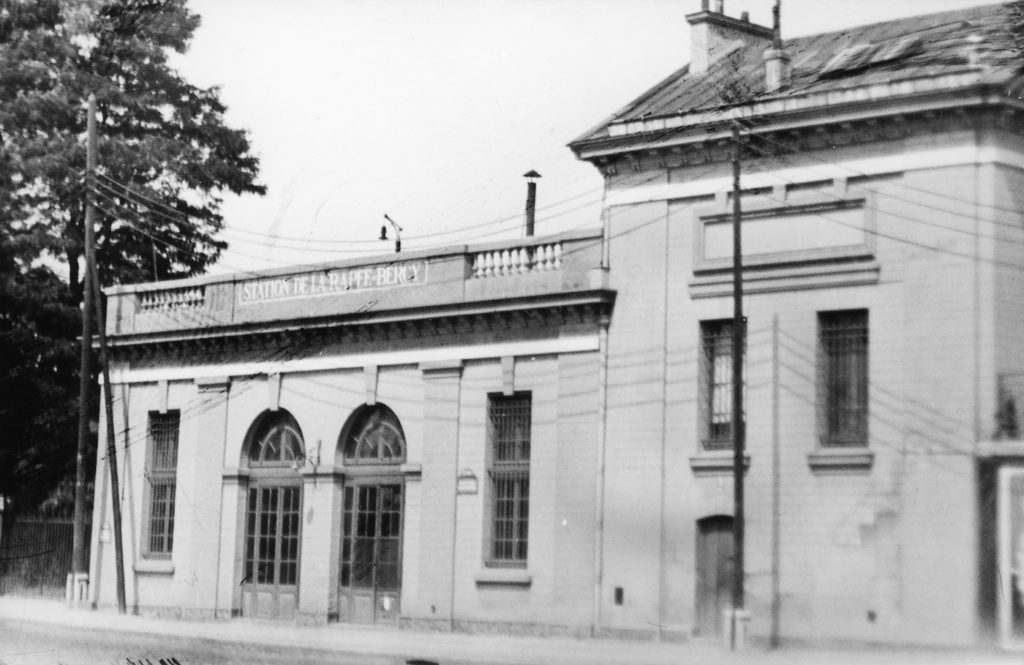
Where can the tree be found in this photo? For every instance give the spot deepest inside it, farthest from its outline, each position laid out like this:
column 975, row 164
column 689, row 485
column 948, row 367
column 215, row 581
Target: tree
column 166, row 159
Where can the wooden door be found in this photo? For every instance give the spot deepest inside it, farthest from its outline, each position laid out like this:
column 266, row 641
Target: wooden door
column 714, row 573
column 371, row 558
column 270, row 586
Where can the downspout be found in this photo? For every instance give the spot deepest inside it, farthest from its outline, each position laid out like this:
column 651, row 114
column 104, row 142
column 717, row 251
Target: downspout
column 455, row 502
column 773, row 639
column 977, row 289
column 602, row 417
column 602, row 412
column 220, row 515
column 662, row 584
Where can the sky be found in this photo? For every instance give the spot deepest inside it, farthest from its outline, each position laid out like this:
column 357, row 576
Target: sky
column 431, row 111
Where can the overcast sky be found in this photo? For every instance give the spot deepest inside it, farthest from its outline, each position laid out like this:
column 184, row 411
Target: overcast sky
column 431, row 110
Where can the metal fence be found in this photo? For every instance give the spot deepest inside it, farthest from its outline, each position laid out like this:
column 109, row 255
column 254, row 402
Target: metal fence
column 35, row 555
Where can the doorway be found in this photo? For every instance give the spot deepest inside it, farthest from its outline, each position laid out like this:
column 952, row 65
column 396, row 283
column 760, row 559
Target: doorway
column 371, row 564
column 715, row 569
column 372, row 449
column 270, row 589
column 1011, row 557
column 273, row 509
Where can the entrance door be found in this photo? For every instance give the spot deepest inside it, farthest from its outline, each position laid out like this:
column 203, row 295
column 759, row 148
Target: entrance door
column 714, row 573
column 270, row 583
column 371, row 554
column 1011, row 557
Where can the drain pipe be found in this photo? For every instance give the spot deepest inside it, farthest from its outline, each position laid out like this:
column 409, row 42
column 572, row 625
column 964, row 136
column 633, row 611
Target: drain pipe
column 602, row 429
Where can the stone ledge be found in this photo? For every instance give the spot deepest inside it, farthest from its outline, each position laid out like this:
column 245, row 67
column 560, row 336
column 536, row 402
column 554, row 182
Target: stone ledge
column 841, row 460
column 503, row 577
column 715, row 463
column 154, row 566
column 718, row 283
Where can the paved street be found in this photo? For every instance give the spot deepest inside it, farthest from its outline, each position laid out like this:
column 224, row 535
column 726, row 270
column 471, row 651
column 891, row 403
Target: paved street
column 31, row 643
column 48, row 633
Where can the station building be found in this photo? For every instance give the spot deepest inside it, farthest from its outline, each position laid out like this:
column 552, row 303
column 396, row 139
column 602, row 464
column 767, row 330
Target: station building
column 533, row 436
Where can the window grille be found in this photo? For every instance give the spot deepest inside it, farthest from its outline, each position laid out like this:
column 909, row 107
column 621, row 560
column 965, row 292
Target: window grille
column 277, row 444
column 509, row 471
column 375, row 437
column 162, row 478
column 716, row 384
column 843, row 378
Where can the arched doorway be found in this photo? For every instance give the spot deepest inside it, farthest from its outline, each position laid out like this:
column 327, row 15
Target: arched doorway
column 270, row 576
column 715, row 570
column 372, row 449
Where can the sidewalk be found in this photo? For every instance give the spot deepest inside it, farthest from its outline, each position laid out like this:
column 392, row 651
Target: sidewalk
column 444, row 647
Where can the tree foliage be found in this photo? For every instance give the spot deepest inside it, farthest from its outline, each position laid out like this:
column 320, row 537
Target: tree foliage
column 166, row 157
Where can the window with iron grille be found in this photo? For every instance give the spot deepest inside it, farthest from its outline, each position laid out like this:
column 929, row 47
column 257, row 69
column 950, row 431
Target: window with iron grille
column 509, row 472
column 161, row 477
column 716, row 384
column 843, row 378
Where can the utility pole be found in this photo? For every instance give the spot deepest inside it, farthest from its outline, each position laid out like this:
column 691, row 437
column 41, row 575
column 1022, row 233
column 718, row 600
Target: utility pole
column 115, row 486
column 738, row 424
column 78, row 580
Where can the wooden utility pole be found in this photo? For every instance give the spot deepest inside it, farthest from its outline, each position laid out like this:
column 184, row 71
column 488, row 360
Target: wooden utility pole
column 108, row 400
column 738, row 421
column 79, row 575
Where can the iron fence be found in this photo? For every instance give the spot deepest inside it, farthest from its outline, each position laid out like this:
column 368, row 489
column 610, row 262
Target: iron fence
column 35, row 555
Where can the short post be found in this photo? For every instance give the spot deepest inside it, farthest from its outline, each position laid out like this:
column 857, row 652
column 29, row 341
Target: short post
column 737, row 628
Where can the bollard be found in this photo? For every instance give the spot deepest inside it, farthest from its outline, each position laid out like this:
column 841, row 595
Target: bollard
column 742, row 625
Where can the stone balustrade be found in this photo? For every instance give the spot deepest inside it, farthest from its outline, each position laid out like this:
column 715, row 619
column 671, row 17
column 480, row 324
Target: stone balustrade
column 168, row 300
column 518, row 260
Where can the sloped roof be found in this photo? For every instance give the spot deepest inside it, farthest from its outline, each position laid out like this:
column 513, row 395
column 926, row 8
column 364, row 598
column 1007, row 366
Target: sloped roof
column 942, row 43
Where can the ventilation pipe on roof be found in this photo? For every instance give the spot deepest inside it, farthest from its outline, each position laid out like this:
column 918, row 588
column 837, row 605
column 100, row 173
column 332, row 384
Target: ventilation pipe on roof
column 777, row 69
column 531, row 199
column 713, row 34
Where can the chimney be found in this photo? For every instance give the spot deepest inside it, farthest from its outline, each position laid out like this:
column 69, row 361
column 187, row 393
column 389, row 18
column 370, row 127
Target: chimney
column 777, row 71
column 713, row 34
column 531, row 199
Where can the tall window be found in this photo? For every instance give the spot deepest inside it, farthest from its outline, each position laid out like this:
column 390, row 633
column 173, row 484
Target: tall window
column 161, row 474
column 843, row 377
column 509, row 472
column 716, row 384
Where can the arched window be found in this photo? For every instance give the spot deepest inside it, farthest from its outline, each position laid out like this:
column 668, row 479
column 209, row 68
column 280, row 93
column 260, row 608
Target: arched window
column 373, row 435
column 276, row 441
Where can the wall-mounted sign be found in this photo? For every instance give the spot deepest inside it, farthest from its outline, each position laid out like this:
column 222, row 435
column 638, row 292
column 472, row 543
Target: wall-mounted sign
column 467, row 482
column 333, row 281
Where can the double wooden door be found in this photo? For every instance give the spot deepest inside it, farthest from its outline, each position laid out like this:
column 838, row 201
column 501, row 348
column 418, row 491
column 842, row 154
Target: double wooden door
column 370, row 577
column 270, row 582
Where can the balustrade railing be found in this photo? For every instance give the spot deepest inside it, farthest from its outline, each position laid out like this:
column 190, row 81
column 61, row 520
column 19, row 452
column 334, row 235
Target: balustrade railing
column 172, row 299
column 518, row 260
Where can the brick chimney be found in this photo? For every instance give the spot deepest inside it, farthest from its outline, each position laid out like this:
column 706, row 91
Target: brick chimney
column 777, row 71
column 712, row 35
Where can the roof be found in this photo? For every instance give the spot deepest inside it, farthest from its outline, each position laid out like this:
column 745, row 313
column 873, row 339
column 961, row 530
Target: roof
column 917, row 47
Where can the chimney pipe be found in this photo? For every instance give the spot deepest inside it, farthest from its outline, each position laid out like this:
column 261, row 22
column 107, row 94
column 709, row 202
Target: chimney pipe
column 776, row 25
column 704, row 5
column 777, row 71
column 531, row 199
column 720, row 6
column 745, row 17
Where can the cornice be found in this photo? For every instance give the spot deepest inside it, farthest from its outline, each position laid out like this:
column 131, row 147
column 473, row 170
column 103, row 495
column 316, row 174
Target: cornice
column 433, row 325
column 780, row 139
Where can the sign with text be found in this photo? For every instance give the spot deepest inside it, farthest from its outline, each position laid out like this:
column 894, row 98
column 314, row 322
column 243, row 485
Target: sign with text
column 333, row 281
